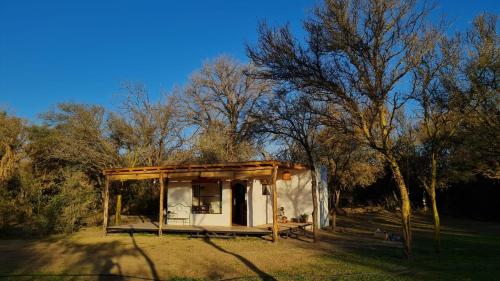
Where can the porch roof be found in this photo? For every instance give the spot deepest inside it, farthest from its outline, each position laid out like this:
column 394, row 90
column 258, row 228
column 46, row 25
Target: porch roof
column 229, row 170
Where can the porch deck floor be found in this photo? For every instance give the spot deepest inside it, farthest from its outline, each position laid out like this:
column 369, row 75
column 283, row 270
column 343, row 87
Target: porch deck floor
column 193, row 229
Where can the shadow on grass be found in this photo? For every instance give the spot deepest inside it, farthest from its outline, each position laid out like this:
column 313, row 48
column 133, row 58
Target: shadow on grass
column 263, row 275
column 149, row 261
column 468, row 253
column 32, row 262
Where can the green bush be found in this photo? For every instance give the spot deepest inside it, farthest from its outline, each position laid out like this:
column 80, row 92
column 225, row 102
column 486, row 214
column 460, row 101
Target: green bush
column 61, row 203
column 76, row 200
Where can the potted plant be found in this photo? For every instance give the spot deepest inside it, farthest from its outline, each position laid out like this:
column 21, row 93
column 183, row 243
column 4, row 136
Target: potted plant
column 304, row 217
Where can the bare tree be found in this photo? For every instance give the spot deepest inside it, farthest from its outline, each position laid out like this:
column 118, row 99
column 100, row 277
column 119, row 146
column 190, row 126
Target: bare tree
column 147, row 132
column 219, row 101
column 357, row 56
column 286, row 116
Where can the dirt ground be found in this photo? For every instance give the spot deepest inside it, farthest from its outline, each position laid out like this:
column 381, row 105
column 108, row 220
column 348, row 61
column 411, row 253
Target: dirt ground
column 353, row 251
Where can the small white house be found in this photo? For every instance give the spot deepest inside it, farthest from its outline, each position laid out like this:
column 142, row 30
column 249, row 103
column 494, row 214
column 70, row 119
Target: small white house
column 230, row 194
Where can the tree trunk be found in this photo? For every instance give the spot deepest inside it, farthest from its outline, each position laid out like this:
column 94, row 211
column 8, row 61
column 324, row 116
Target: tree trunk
column 405, row 207
column 337, row 198
column 160, row 153
column 331, row 202
column 336, row 201
column 334, row 219
column 315, row 202
column 435, row 213
column 275, row 204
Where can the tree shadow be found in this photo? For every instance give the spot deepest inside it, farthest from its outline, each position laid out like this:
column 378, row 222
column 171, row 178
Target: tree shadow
column 263, row 275
column 298, row 198
column 305, row 236
column 149, row 261
column 83, row 261
column 460, row 258
column 108, row 267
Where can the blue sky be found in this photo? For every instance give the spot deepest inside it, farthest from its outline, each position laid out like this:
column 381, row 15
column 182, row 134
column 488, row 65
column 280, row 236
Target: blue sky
column 81, row 51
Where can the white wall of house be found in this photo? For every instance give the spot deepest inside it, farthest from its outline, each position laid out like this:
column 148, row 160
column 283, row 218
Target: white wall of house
column 181, row 193
column 260, row 208
column 293, row 195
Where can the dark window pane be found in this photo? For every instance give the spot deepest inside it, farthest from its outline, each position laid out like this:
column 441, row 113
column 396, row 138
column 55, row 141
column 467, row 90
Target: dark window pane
column 207, row 198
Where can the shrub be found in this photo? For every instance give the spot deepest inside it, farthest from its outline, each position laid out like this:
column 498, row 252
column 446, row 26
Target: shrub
column 76, row 201
column 59, row 203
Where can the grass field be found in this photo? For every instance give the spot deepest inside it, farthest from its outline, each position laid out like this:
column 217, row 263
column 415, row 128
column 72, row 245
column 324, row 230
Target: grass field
column 471, row 251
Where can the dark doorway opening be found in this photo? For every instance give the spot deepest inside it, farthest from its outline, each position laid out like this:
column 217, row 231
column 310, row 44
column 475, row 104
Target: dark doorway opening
column 239, row 204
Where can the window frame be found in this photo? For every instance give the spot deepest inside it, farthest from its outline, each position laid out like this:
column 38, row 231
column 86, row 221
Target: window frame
column 196, row 197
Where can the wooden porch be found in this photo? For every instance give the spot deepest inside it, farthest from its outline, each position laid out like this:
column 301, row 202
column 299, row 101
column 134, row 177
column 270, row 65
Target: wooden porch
column 262, row 170
column 284, row 229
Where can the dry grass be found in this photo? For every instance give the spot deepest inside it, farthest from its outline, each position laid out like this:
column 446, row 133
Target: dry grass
column 89, row 252
column 351, row 254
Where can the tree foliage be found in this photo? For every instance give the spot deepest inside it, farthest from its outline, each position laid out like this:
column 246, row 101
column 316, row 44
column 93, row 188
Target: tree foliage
column 76, row 135
column 146, row 132
column 286, row 116
column 474, row 141
column 357, row 55
column 12, row 138
column 219, row 101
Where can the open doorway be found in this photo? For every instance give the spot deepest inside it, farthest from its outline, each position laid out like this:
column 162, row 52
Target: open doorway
column 239, row 204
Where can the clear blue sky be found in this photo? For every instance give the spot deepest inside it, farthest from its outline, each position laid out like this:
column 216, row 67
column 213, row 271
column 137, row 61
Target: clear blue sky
column 80, row 51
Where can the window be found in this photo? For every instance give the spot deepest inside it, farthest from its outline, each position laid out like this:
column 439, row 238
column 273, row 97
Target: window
column 207, row 198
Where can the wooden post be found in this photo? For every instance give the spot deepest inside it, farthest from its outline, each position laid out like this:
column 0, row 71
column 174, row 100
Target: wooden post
column 118, row 214
column 275, row 204
column 231, row 204
column 160, row 223
column 105, row 205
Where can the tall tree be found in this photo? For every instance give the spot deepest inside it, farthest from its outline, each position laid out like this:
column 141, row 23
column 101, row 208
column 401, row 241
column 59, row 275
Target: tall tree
column 220, row 99
column 147, row 132
column 286, row 116
column 443, row 107
column 482, row 125
column 357, row 55
column 76, row 136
